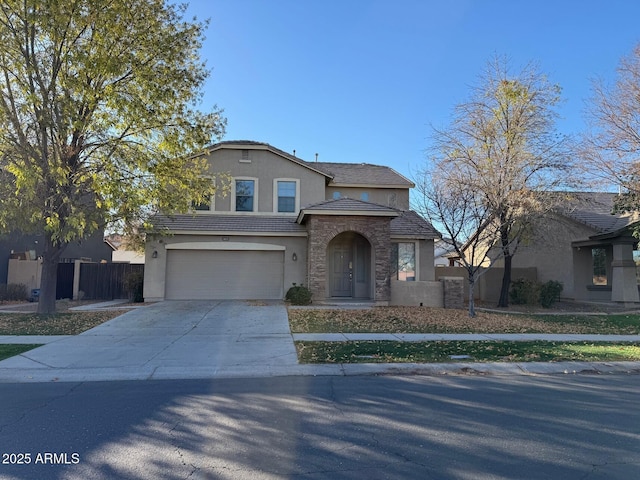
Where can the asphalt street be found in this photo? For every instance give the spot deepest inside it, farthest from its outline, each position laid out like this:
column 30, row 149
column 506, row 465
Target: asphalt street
column 475, row 427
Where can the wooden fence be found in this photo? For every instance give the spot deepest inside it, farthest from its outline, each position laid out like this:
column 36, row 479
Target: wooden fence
column 105, row 281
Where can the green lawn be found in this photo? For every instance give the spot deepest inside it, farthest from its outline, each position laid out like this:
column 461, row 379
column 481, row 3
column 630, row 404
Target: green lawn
column 9, row 350
column 465, row 351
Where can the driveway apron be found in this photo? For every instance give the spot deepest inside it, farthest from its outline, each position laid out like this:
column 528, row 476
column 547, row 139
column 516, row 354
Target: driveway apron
column 173, row 339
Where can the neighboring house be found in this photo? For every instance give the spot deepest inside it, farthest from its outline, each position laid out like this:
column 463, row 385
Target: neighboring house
column 586, row 247
column 121, row 252
column 30, row 247
column 344, row 230
column 444, row 254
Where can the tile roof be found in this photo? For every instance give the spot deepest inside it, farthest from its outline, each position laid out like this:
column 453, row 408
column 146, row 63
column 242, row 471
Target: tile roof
column 228, row 223
column 361, row 174
column 340, row 173
column 411, row 224
column 594, row 209
column 407, row 223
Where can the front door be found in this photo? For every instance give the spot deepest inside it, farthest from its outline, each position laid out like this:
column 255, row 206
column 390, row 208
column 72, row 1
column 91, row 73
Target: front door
column 341, row 270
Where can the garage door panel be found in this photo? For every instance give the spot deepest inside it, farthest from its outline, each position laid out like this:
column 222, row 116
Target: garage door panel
column 236, row 275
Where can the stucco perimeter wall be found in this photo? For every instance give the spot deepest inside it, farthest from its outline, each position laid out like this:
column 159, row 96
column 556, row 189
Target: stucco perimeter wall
column 487, row 287
column 25, row 272
column 425, row 294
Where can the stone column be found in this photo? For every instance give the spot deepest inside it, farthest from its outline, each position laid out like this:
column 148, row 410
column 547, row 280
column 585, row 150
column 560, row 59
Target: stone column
column 624, row 287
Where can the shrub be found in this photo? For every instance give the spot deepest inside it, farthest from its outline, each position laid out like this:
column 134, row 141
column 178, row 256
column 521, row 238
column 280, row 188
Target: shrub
column 298, row 295
column 550, row 293
column 13, row 292
column 524, row 292
column 133, row 285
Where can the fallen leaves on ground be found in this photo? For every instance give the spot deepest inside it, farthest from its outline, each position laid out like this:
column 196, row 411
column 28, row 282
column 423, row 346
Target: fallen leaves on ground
column 439, row 320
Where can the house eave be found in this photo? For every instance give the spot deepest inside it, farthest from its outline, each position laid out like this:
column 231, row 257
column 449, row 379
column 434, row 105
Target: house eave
column 236, row 233
column 371, row 185
column 344, row 213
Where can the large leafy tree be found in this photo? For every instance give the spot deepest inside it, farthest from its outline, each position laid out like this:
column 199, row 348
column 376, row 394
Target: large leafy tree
column 98, row 116
column 502, row 146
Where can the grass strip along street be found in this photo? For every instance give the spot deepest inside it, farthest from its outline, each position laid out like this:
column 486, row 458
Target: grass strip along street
column 385, row 351
column 9, row 350
column 433, row 320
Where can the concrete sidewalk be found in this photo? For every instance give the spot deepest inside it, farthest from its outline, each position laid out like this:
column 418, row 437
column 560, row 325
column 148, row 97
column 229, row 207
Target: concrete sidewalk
column 174, row 340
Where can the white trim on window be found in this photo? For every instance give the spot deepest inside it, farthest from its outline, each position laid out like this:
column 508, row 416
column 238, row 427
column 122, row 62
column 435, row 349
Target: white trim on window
column 275, row 195
column 255, row 194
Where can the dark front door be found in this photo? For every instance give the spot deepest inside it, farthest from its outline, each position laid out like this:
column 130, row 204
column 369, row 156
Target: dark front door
column 341, row 270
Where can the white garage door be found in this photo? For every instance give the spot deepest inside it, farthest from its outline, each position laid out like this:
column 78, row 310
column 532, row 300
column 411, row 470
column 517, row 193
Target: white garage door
column 222, row 274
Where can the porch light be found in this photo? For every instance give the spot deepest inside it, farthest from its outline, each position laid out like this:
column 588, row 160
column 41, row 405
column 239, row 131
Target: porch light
column 154, row 254
column 294, row 257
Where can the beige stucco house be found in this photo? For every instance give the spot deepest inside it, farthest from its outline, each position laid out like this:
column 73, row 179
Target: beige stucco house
column 342, row 229
column 584, row 245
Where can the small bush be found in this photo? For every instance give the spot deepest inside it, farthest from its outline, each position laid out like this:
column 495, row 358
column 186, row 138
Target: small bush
column 133, row 285
column 550, row 293
column 298, row 295
column 13, row 292
column 524, row 292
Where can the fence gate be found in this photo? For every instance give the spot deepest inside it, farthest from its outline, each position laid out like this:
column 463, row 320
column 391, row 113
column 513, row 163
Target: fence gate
column 64, row 285
column 105, row 281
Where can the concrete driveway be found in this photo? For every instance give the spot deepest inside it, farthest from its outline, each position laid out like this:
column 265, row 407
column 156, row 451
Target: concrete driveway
column 172, row 339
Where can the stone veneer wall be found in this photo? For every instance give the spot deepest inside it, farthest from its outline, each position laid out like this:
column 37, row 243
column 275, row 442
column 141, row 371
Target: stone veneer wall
column 324, row 228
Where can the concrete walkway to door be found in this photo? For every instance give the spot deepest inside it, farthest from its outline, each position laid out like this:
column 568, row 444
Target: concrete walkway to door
column 172, row 339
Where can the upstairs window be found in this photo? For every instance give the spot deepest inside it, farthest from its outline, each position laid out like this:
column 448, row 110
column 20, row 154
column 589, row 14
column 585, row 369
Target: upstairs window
column 245, row 191
column 286, row 196
column 202, row 207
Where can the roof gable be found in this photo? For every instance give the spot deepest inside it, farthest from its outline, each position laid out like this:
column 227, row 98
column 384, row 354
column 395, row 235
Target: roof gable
column 251, row 145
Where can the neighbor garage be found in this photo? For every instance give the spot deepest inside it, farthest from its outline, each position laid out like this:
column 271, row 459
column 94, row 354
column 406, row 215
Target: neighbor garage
column 224, row 274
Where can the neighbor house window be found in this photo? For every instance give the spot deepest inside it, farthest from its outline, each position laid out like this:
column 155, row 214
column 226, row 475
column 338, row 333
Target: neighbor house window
column 286, row 195
column 636, row 260
column 599, row 262
column 403, row 261
column 204, row 206
column 244, row 195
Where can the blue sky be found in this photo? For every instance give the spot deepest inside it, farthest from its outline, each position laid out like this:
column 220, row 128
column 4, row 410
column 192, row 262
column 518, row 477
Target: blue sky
column 363, row 80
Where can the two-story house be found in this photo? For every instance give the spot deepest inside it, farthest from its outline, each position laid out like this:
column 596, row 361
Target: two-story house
column 343, row 230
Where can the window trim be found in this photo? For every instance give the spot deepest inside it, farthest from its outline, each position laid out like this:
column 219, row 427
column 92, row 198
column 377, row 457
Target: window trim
column 255, row 195
column 296, row 207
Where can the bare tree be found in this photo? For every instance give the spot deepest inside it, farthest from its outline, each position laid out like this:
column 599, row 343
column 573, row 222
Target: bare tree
column 503, row 147
column 611, row 147
column 461, row 214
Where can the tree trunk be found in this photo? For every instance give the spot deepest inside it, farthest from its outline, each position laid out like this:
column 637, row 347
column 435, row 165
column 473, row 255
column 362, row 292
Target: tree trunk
column 472, row 305
column 506, row 282
column 49, row 279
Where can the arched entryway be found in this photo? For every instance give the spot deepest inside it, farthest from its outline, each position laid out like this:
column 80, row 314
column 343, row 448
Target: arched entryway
column 349, row 266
